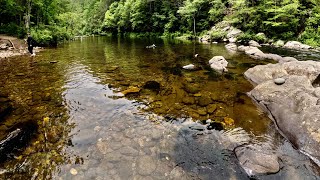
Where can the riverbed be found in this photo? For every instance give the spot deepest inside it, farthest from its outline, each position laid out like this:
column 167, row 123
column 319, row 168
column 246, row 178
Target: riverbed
column 110, row 108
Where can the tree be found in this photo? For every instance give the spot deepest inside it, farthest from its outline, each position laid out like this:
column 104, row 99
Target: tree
column 190, row 10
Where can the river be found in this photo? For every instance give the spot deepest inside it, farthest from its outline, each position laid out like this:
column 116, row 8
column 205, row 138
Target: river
column 79, row 125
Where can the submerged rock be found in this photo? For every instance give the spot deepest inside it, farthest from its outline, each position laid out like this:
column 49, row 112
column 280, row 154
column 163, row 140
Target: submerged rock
column 153, row 85
column 131, row 90
column 231, row 47
column 17, row 138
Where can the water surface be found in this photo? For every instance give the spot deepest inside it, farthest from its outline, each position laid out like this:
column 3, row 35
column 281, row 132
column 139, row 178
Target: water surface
column 88, row 129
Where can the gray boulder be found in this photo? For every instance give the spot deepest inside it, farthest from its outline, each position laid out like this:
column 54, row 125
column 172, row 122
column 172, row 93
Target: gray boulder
column 234, row 33
column 296, row 45
column 255, row 53
column 257, row 161
column 254, row 43
column 293, row 106
column 274, row 57
column 287, row 59
column 231, row 47
column 219, row 63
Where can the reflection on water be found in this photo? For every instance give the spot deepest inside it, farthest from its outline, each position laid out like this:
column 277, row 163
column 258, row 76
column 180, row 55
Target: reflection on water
column 87, row 129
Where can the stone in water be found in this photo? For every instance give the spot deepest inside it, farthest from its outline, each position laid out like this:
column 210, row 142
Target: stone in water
column 73, row 171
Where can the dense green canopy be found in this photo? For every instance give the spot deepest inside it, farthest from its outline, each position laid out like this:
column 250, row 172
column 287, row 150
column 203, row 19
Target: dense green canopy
column 54, row 20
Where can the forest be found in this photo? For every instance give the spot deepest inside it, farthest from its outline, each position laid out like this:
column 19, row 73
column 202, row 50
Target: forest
column 52, row 21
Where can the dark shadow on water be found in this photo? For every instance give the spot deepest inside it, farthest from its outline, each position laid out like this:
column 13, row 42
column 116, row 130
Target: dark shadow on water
column 201, row 156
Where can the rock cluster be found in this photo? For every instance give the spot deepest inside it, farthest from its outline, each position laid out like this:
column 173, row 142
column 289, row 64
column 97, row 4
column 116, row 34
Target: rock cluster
column 293, row 104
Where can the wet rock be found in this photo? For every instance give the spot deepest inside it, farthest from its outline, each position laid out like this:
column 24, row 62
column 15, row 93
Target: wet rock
column 5, row 108
column 188, row 100
column 292, row 105
column 202, row 111
column 255, row 53
column 219, row 64
column 198, row 127
column 243, row 48
column 279, row 81
column 231, row 47
column 112, row 68
column 296, row 45
column 146, row 165
column 256, row 162
column 254, row 43
column 215, row 125
column 189, row 67
column 191, row 88
column 274, row 57
column 211, row 108
column 18, row 137
column 131, row 90
column 228, row 121
column 204, row 101
column 153, row 85
column 220, row 113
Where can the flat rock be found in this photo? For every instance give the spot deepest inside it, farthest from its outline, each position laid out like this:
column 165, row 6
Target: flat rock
column 293, row 105
column 257, row 162
column 146, row 165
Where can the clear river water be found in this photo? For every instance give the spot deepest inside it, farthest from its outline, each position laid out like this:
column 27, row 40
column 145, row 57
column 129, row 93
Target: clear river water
column 110, row 108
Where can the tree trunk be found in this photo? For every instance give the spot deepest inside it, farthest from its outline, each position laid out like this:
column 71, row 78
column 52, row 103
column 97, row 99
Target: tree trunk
column 194, row 26
column 27, row 15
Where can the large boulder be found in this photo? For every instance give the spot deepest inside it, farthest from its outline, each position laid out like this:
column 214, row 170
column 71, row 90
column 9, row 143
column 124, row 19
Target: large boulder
column 255, row 53
column 274, row 57
column 231, row 47
column 219, row 63
column 296, row 45
column 294, row 105
column 234, row 33
column 254, row 43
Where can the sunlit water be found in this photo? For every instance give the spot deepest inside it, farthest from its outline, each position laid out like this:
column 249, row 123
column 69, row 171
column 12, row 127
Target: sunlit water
column 87, row 129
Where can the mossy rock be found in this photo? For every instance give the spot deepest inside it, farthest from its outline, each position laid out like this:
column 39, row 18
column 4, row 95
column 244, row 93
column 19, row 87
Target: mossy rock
column 204, row 101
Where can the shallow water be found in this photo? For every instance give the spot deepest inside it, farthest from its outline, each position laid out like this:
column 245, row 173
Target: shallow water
column 87, row 129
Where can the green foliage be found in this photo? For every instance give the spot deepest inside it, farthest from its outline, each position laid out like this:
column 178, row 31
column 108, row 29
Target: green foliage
column 55, row 20
column 49, row 35
column 246, row 37
column 218, row 35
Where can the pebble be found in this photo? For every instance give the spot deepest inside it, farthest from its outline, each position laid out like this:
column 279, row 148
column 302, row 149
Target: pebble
column 279, row 81
column 73, row 171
